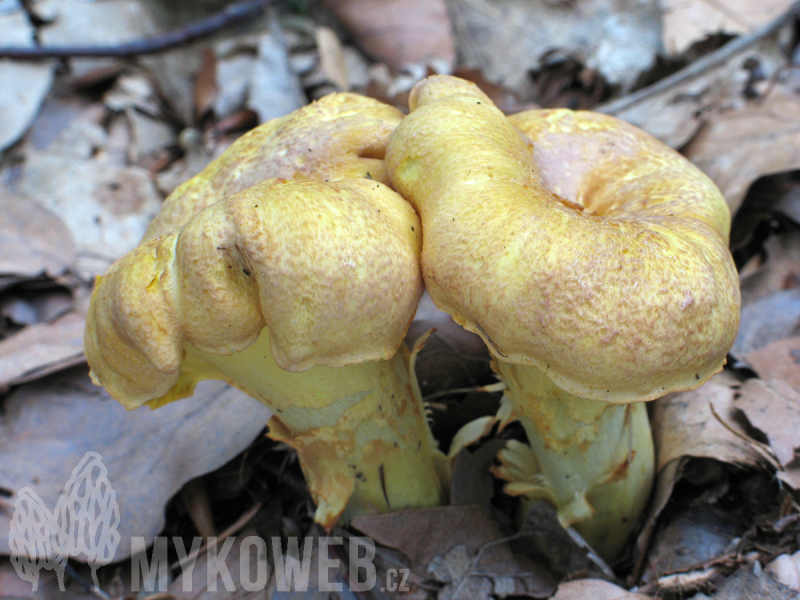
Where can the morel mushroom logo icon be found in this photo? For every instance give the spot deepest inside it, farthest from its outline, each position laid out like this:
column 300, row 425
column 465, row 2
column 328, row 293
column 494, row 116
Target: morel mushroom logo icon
column 85, row 521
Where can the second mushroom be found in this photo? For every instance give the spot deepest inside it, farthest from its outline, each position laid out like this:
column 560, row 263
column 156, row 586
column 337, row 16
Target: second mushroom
column 593, row 262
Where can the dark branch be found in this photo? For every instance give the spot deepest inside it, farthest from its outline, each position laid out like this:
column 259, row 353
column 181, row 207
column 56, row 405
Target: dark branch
column 234, row 14
column 704, row 64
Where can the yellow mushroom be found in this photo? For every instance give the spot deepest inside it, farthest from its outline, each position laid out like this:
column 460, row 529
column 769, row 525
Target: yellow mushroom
column 297, row 292
column 338, row 137
column 593, row 261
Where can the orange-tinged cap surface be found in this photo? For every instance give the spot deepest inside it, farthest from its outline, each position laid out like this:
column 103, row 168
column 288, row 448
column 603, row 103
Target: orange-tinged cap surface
column 332, row 269
column 337, row 137
column 569, row 241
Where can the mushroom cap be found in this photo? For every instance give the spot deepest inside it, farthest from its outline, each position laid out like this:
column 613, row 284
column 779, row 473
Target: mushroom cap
column 337, row 137
column 579, row 245
column 331, row 269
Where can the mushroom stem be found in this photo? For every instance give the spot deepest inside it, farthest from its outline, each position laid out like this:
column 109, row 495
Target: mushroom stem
column 360, row 431
column 592, row 460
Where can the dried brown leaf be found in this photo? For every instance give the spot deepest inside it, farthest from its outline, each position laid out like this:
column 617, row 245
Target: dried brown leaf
column 596, row 589
column 423, row 534
column 133, row 91
column 426, row 535
column 33, row 240
column 773, row 406
column 398, row 32
column 675, row 112
column 233, row 72
column 48, row 425
column 738, row 146
column 791, row 475
column 106, row 208
column 699, row 424
column 690, row 21
column 694, row 536
column 41, row 349
column 29, row 307
column 779, row 360
column 471, row 482
column 69, row 125
column 684, row 424
column 274, row 90
column 331, row 58
column 779, row 271
column 149, row 136
column 205, row 84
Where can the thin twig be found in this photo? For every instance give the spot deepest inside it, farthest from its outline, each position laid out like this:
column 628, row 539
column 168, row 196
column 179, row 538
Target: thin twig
column 243, row 520
column 239, row 12
column 704, row 64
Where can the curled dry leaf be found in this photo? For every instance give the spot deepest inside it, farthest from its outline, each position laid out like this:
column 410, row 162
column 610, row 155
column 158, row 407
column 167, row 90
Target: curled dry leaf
column 691, row 536
column 697, row 424
column 37, row 302
column 232, row 67
column 149, row 137
column 252, row 73
column 399, row 32
column 674, row 111
column 690, row 21
column 738, row 146
column 71, row 126
column 49, row 425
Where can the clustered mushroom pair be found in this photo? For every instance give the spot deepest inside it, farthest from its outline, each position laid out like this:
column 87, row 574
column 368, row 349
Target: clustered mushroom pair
column 590, row 258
